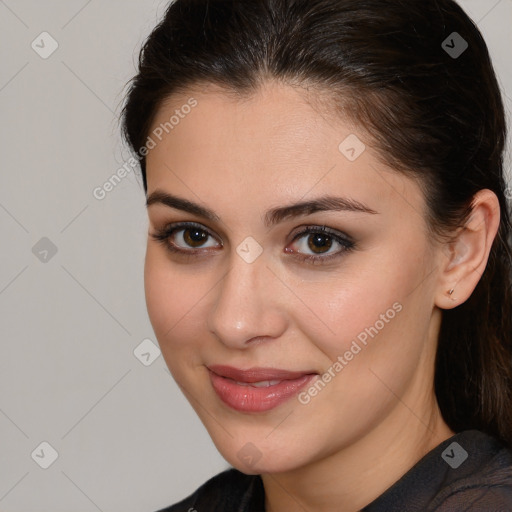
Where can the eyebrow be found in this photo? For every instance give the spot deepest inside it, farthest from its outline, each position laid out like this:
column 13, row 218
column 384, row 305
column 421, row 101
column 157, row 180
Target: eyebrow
column 272, row 216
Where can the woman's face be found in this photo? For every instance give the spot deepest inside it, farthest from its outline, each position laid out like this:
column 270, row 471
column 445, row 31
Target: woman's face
column 287, row 359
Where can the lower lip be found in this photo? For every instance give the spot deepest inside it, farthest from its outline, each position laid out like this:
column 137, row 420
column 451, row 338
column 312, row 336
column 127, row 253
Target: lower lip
column 251, row 399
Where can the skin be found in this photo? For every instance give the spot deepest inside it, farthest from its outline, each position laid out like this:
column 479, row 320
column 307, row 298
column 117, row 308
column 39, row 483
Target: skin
column 378, row 416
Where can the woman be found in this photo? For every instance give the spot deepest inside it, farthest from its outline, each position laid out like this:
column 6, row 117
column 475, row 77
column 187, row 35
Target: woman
column 328, row 267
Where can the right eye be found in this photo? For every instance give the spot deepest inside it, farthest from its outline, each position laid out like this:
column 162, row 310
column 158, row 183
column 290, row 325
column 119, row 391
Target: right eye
column 184, row 237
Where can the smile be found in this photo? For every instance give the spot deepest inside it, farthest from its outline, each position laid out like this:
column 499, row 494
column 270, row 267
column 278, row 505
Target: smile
column 256, row 389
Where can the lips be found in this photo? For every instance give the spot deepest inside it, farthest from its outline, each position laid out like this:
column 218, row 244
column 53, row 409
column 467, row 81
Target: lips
column 256, row 389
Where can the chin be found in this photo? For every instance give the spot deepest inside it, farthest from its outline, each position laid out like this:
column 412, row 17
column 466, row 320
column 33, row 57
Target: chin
column 258, row 457
column 266, row 465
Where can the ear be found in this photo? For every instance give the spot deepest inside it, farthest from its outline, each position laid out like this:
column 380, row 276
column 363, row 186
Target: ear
column 465, row 257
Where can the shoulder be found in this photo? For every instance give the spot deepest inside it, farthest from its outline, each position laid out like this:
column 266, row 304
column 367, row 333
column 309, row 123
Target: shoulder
column 471, row 471
column 486, row 486
column 229, row 491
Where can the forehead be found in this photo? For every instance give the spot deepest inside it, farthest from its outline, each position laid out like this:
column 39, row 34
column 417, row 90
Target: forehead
column 278, row 145
column 277, row 118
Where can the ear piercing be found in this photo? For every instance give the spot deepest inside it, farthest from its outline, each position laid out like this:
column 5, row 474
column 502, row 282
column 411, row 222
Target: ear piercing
column 450, row 292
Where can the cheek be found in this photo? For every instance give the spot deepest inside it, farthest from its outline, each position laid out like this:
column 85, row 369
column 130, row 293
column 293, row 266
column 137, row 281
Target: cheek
column 160, row 291
column 173, row 299
column 370, row 316
column 346, row 306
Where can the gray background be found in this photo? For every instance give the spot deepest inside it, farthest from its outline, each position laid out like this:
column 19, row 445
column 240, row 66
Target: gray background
column 126, row 439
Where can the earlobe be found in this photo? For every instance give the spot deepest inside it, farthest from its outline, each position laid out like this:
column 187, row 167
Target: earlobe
column 465, row 257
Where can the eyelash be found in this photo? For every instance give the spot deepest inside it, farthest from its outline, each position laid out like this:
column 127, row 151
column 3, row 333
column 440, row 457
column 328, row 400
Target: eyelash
column 163, row 236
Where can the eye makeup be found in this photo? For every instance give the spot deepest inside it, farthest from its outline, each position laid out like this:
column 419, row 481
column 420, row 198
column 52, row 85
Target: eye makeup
column 317, row 237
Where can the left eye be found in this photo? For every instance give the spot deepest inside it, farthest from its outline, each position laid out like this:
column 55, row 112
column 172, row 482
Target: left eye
column 320, row 242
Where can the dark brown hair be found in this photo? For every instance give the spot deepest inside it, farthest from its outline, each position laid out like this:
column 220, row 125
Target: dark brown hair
column 432, row 115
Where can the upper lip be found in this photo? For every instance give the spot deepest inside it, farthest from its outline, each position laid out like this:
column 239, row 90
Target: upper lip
column 256, row 374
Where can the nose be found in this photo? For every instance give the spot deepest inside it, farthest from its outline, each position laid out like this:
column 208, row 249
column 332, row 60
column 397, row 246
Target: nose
column 248, row 304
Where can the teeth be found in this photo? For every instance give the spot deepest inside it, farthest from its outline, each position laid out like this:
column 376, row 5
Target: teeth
column 261, row 384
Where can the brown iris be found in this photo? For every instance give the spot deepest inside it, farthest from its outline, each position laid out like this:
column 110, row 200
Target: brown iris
column 195, row 237
column 319, row 241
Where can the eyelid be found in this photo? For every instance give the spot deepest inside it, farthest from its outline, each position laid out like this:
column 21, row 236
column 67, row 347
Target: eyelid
column 163, row 234
column 345, row 241
column 320, row 228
